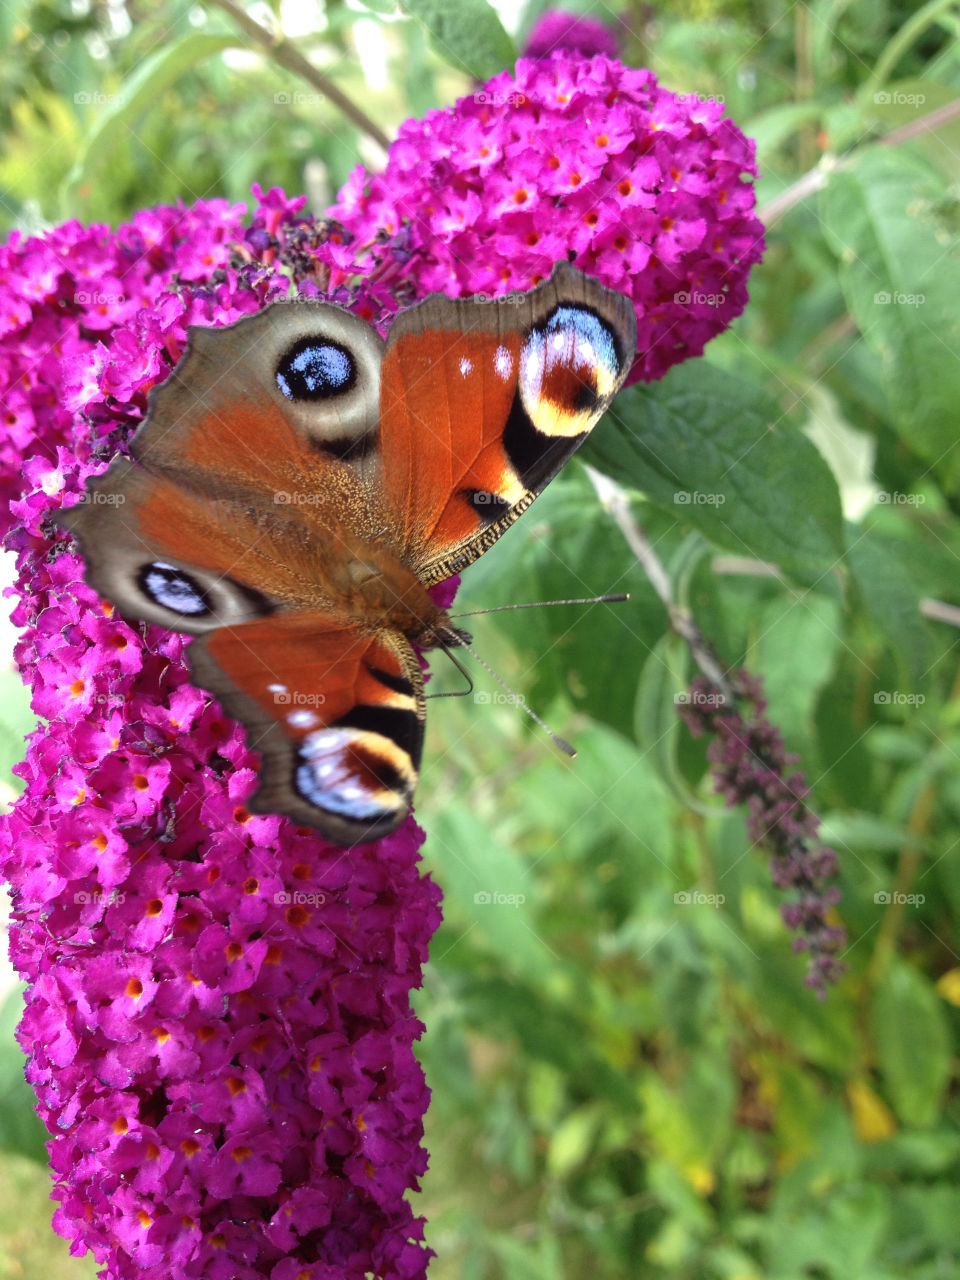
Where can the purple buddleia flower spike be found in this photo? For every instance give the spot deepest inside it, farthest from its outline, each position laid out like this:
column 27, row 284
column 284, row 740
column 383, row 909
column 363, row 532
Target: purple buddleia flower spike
column 218, row 1024
column 556, row 29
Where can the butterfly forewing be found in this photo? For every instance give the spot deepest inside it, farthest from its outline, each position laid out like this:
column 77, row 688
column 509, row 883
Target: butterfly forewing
column 255, row 405
column 482, row 403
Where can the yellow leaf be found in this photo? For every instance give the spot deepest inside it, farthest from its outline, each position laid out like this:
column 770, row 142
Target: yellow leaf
column 701, row 1177
column 949, row 986
column 872, row 1118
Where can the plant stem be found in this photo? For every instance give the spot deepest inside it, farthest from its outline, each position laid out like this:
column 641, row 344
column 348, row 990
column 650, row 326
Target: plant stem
column 803, row 81
column 818, row 177
column 910, row 856
column 681, row 620
column 909, row 33
column 283, row 52
column 940, row 611
column 927, row 123
column 807, row 185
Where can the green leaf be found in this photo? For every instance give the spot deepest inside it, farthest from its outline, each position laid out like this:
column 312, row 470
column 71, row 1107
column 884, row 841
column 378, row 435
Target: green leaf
column 21, row 1130
column 892, row 596
column 912, row 1040
column 16, row 721
column 547, row 1031
column 136, row 95
column 606, row 803
column 713, row 450
column 798, row 639
column 567, row 546
column 489, row 892
column 850, row 453
column 663, row 684
column 522, row 1261
column 919, row 1153
column 866, row 833
column 777, row 124
column 835, row 1236
column 466, row 33
column 900, row 103
column 669, row 1126
column 573, row 1139
column 419, row 71
column 888, row 220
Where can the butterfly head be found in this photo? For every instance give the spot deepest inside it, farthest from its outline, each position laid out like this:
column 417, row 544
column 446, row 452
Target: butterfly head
column 447, row 636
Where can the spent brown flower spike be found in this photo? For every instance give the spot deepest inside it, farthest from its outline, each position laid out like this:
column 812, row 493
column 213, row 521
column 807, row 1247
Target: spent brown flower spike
column 751, row 767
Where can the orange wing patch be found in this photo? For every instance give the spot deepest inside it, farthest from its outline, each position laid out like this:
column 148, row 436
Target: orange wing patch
column 306, row 670
column 444, row 399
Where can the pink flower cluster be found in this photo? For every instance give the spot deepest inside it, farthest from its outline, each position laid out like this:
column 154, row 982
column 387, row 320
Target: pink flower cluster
column 61, row 294
column 218, row 1021
column 578, row 158
column 556, row 29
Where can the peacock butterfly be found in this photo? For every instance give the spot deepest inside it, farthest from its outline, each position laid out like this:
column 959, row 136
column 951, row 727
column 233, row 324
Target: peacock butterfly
column 298, row 484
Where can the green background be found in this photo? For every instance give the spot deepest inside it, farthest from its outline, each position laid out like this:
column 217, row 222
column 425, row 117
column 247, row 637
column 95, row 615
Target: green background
column 624, row 1085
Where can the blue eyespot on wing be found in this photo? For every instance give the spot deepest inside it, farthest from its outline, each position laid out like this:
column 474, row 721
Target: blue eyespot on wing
column 315, row 370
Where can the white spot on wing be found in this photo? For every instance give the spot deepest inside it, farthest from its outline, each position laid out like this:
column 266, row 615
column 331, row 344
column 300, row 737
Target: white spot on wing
column 503, row 363
column 303, row 719
column 326, row 740
column 466, row 365
column 531, row 368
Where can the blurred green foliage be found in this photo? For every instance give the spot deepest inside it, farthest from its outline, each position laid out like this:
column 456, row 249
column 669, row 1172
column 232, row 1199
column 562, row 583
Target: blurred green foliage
column 624, row 1084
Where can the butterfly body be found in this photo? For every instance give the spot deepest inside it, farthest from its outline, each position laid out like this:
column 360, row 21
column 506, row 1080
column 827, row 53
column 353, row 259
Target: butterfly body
column 299, row 485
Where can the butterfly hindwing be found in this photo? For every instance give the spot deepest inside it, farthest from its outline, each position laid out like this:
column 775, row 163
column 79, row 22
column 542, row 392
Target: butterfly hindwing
column 482, row 403
column 336, row 712
column 166, row 555
column 337, row 716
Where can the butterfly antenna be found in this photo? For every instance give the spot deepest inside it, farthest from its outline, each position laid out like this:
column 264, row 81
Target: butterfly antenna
column 515, row 698
column 542, row 604
column 455, row 693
